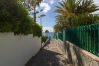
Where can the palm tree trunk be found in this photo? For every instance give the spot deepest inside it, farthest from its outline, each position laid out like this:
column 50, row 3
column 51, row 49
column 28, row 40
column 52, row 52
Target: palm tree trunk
column 70, row 22
column 34, row 13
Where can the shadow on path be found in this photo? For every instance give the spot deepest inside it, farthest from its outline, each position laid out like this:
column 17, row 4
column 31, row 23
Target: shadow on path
column 45, row 58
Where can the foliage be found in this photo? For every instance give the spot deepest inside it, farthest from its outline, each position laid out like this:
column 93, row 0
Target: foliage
column 46, row 31
column 37, row 30
column 32, row 3
column 44, row 38
column 74, row 7
column 12, row 14
column 75, row 12
column 14, row 17
column 58, row 27
column 31, row 6
column 82, row 20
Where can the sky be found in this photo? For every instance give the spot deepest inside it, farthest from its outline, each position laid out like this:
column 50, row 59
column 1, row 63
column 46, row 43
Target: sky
column 49, row 20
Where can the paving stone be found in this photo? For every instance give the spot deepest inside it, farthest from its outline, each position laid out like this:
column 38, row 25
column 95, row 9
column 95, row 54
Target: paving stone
column 49, row 56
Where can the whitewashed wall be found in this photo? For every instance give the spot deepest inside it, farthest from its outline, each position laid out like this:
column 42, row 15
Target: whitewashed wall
column 17, row 50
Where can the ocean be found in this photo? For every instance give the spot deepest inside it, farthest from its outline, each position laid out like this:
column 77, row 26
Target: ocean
column 50, row 34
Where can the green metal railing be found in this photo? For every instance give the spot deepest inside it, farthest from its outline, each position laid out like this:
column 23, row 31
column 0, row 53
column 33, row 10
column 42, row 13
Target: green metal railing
column 85, row 37
column 60, row 35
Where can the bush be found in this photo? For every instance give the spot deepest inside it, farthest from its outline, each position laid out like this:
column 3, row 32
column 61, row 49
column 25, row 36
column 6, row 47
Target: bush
column 44, row 38
column 14, row 17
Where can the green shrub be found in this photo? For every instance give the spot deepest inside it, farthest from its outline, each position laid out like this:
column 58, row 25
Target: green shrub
column 44, row 38
column 14, row 17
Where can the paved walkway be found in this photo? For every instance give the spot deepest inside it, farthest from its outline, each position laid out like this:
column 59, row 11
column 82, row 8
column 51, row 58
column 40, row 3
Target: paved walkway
column 51, row 55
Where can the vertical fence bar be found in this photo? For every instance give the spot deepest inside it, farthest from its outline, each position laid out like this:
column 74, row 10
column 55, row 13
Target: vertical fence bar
column 57, row 36
column 89, row 38
column 64, row 39
column 94, row 39
column 88, row 33
column 81, row 36
column 91, row 32
column 98, row 40
column 77, row 37
column 64, row 34
column 84, row 38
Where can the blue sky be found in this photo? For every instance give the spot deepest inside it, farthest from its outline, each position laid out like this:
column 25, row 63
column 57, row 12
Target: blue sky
column 49, row 20
column 49, row 7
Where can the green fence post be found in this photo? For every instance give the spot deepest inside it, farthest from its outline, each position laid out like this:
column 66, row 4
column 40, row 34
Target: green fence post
column 64, row 39
column 75, row 40
column 98, row 40
column 94, row 39
column 57, row 35
column 89, row 38
column 63, row 34
column 66, row 34
column 80, row 37
column 84, row 38
column 88, row 33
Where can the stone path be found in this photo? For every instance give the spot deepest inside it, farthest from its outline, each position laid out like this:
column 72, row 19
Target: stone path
column 51, row 55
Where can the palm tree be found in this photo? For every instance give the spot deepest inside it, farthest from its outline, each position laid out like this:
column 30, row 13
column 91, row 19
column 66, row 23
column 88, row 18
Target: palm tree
column 33, row 4
column 58, row 27
column 67, row 9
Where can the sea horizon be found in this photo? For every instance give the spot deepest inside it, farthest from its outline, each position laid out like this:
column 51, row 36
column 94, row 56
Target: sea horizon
column 50, row 34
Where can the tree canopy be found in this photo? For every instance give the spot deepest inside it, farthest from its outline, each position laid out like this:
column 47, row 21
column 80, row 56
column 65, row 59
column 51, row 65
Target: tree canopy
column 31, row 5
column 14, row 17
column 73, row 13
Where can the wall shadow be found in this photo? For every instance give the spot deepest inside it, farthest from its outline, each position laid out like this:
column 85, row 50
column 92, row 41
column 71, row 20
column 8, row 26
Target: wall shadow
column 70, row 56
column 78, row 55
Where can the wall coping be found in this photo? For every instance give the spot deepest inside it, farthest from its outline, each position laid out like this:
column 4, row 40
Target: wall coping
column 94, row 57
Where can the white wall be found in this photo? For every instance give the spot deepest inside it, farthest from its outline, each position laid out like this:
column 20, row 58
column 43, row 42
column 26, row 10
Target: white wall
column 17, row 50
